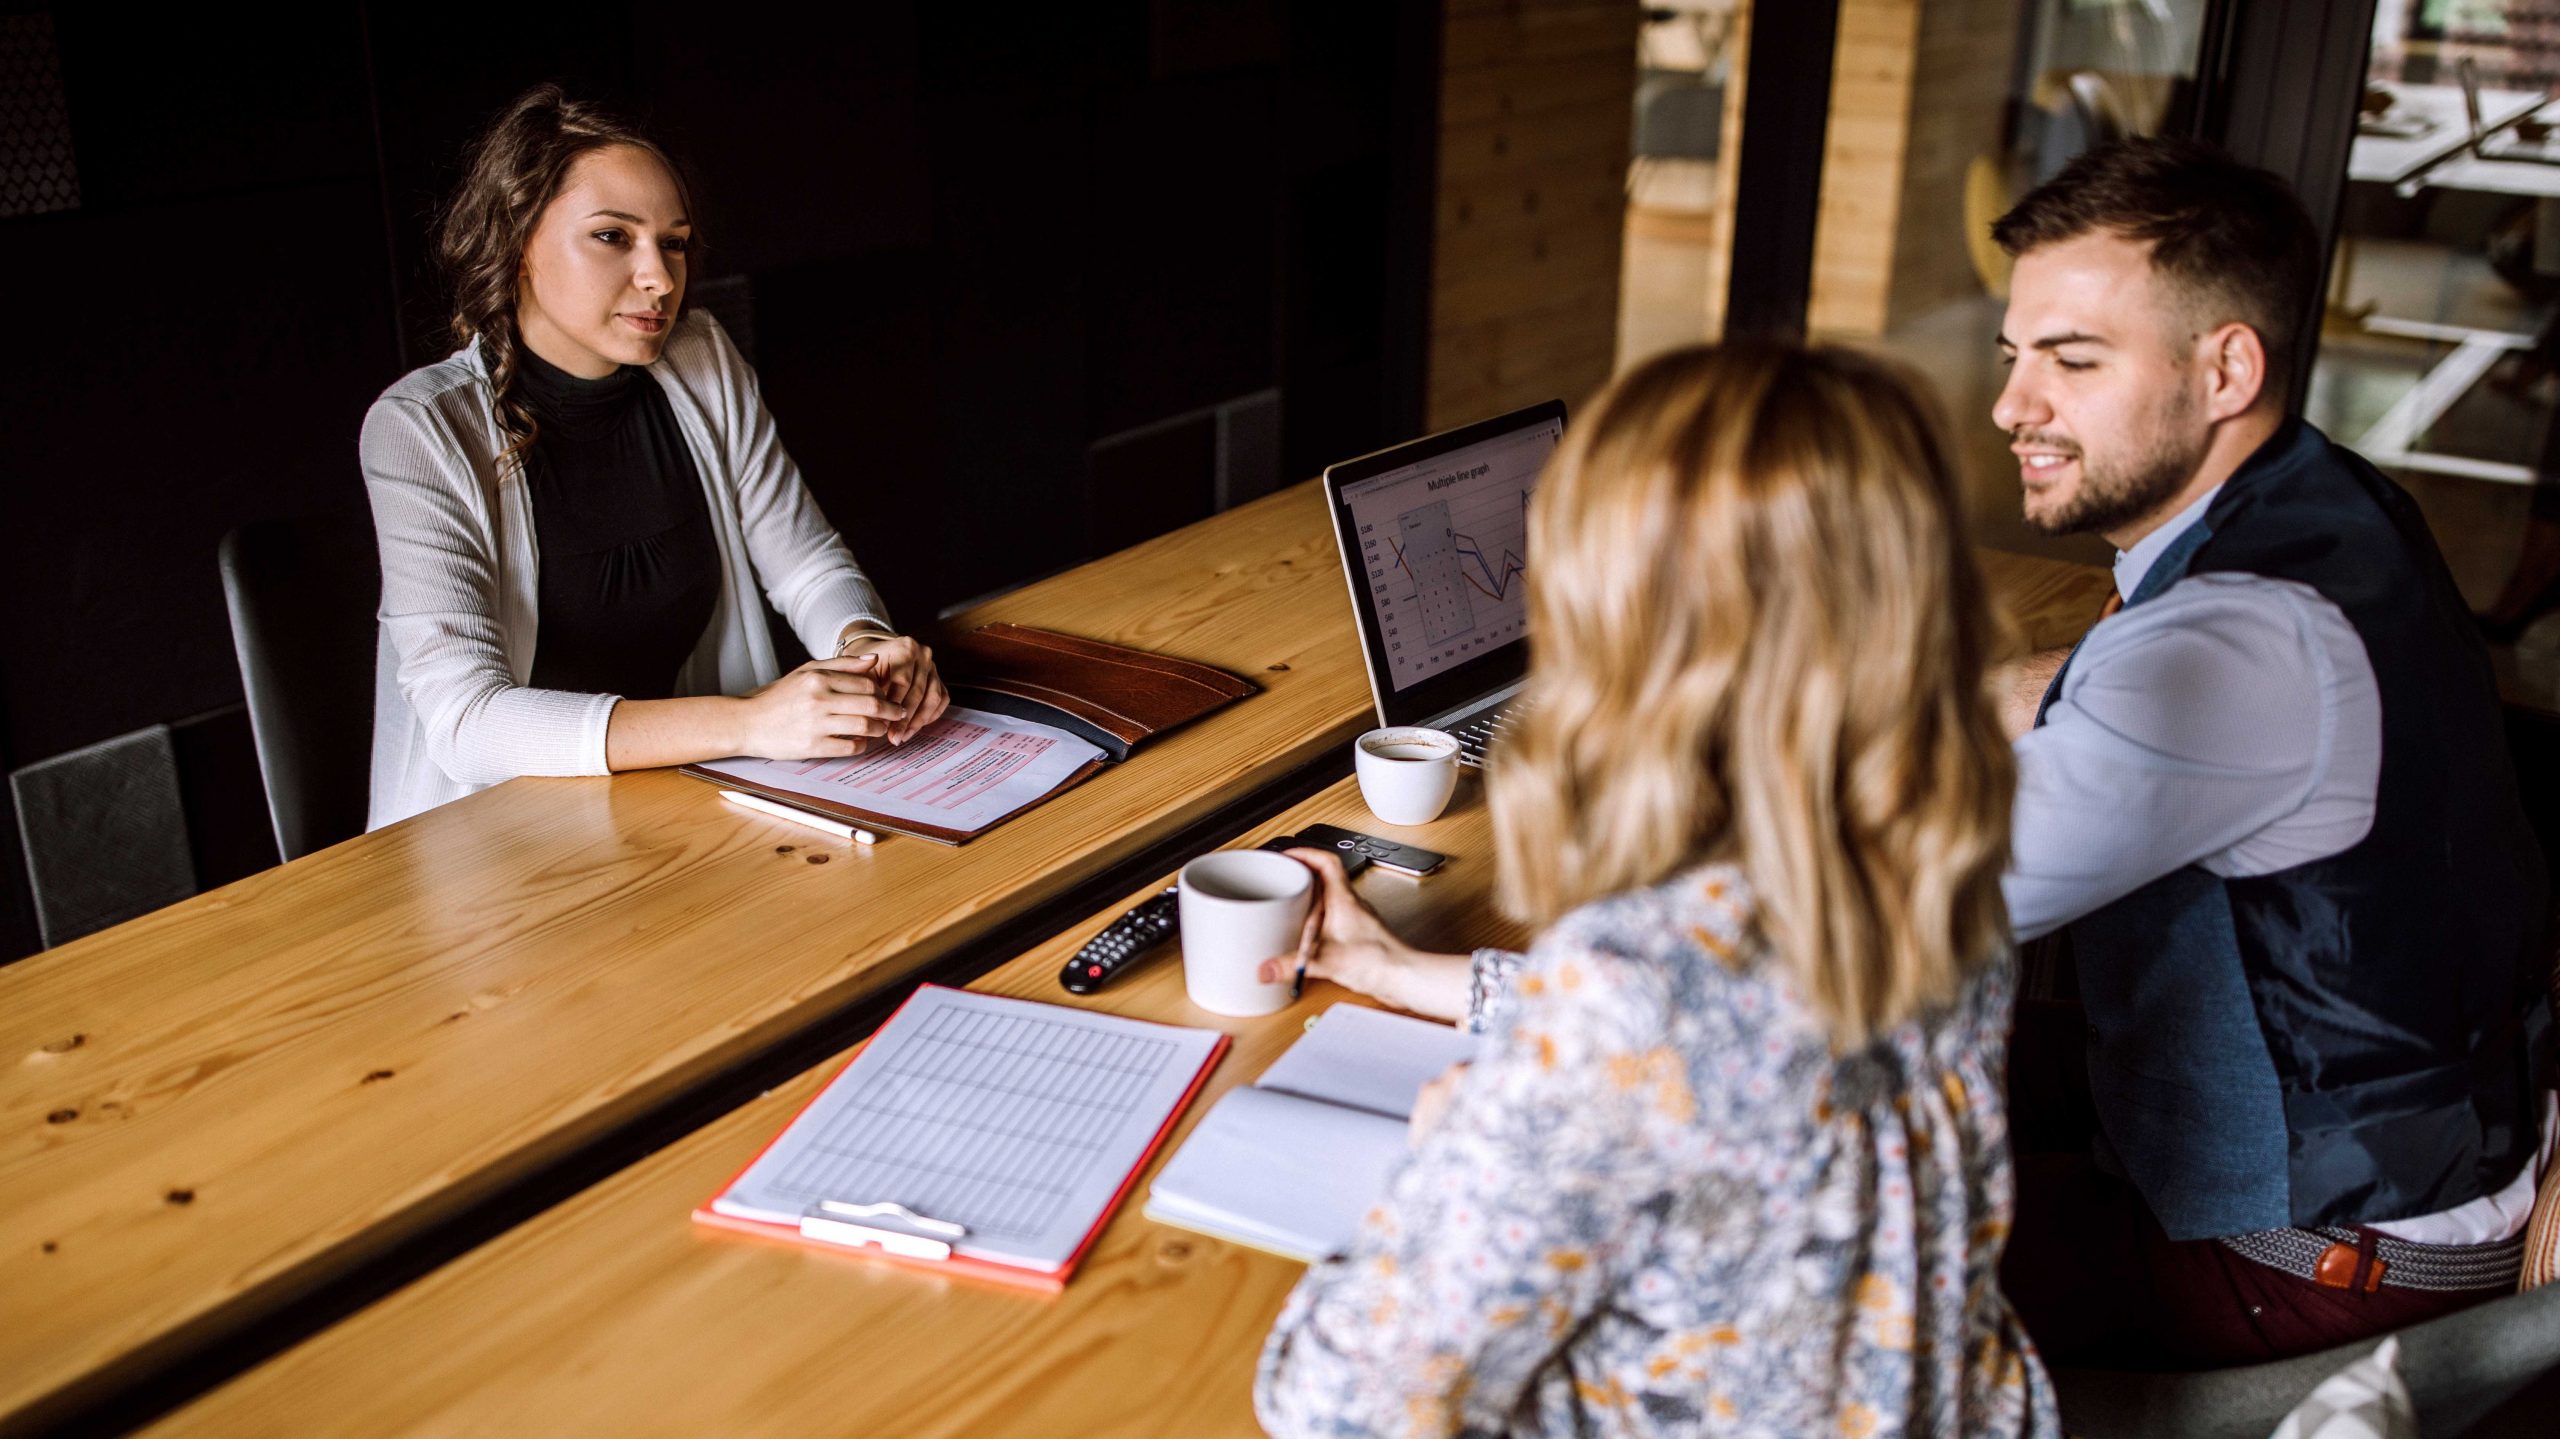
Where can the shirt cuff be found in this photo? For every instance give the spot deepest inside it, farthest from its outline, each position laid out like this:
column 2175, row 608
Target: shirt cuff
column 598, row 740
column 1489, row 986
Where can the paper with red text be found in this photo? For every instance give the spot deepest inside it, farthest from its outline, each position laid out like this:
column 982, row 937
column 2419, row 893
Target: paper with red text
column 965, row 771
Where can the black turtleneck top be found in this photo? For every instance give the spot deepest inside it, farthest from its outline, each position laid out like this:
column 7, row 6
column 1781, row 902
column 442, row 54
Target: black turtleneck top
column 629, row 569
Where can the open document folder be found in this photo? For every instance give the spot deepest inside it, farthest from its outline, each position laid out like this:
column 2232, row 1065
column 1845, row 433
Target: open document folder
column 1291, row 1164
column 1033, row 712
column 951, row 780
column 976, row 1134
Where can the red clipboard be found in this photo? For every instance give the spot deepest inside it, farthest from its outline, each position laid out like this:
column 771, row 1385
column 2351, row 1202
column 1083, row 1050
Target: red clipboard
column 957, row 1266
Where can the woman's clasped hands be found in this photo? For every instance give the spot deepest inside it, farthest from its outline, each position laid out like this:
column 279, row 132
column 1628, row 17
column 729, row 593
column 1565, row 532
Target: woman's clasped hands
column 886, row 689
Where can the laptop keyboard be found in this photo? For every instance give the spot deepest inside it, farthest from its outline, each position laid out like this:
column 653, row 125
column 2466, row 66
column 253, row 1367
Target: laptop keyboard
column 1477, row 735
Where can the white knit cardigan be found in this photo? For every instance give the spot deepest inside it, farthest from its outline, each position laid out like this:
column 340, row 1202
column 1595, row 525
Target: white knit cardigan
column 451, row 711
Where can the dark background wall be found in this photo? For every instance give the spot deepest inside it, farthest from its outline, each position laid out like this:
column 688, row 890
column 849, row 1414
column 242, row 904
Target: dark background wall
column 1024, row 284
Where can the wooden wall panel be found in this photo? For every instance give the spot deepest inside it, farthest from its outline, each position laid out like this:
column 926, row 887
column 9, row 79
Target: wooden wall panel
column 1918, row 88
column 1536, row 102
column 1720, row 253
column 1871, row 82
column 1960, row 85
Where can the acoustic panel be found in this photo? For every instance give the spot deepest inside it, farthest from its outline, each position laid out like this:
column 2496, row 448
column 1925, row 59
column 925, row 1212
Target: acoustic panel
column 38, row 170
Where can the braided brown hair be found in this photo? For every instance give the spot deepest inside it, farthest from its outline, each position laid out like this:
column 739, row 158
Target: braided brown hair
column 513, row 172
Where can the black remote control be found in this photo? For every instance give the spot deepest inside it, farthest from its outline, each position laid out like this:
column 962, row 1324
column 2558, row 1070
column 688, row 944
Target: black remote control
column 1150, row 923
column 1121, row 941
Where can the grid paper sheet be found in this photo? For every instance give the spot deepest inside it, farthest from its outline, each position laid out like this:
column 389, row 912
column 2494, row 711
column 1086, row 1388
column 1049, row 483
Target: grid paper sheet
column 1016, row 1119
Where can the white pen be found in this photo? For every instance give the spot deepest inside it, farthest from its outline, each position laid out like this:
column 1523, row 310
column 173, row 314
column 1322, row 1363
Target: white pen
column 820, row 822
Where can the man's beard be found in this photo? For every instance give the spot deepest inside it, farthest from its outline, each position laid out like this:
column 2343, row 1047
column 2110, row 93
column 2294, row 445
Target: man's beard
column 2113, row 496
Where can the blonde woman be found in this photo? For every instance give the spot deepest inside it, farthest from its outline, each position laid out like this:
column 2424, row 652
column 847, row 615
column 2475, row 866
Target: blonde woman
column 1733, row 1159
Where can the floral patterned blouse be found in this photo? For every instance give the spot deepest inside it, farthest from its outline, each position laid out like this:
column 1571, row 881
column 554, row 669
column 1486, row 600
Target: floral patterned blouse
column 1659, row 1204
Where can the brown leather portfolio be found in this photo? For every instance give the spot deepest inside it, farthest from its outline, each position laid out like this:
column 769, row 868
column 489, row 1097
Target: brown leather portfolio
column 1113, row 696
column 1110, row 696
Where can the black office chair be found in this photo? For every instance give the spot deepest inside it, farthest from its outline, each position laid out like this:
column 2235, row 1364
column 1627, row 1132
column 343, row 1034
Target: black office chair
column 302, row 595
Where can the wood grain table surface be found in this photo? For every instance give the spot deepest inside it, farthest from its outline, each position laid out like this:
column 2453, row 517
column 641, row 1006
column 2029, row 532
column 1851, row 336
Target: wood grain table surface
column 614, row 1314
column 209, row 1112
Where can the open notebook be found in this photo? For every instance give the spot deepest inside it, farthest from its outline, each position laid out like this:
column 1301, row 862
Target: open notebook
column 1291, row 1164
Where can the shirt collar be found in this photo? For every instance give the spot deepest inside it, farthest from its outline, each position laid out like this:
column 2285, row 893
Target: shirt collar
column 2133, row 564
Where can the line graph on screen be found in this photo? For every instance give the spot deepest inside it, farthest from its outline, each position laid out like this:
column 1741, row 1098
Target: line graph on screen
column 1442, row 545
column 1463, row 560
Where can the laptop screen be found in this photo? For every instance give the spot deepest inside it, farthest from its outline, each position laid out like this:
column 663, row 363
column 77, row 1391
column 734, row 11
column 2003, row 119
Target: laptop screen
column 1434, row 538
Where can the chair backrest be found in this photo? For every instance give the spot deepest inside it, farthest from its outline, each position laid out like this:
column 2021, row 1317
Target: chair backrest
column 302, row 594
column 105, row 831
column 1986, row 198
column 1678, row 116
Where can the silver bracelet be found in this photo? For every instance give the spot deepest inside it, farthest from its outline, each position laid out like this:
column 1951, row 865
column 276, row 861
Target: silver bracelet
column 866, row 633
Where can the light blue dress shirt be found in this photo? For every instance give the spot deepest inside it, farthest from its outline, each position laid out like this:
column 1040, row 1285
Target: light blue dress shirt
column 2230, row 721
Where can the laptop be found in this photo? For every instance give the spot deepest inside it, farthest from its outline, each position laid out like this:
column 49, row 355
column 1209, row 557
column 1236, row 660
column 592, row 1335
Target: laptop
column 1434, row 538
column 2506, row 145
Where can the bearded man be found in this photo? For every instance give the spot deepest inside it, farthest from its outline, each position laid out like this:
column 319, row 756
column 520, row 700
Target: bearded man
column 2302, row 1096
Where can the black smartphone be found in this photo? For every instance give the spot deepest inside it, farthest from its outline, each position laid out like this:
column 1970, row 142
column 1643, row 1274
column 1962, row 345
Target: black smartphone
column 1389, row 854
column 1352, row 861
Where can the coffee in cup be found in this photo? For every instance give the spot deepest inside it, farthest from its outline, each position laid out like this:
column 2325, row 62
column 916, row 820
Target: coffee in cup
column 1407, row 773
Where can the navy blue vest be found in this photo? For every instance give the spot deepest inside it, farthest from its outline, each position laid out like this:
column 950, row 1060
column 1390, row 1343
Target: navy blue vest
column 2360, row 1038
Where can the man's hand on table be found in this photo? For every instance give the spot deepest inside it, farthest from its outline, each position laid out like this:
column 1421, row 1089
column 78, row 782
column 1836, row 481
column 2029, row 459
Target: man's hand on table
column 2018, row 687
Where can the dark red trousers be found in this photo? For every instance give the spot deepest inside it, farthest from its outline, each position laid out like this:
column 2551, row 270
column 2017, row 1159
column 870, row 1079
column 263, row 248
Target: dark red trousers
column 2096, row 1281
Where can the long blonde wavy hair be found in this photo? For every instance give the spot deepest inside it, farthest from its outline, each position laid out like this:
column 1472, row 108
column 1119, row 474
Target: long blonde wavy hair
column 1757, row 634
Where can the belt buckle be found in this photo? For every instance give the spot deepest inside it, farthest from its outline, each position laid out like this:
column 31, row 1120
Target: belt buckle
column 2337, row 1267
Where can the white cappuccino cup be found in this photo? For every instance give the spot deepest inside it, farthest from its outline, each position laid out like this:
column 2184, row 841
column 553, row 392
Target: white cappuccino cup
column 1239, row 908
column 1407, row 773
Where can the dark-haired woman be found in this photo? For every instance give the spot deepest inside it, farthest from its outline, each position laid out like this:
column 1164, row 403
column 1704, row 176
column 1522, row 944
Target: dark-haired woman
column 578, row 508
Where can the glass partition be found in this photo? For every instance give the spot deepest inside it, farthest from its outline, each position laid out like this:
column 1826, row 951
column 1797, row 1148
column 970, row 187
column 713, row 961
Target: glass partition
column 2439, row 356
column 1679, row 226
column 1942, row 115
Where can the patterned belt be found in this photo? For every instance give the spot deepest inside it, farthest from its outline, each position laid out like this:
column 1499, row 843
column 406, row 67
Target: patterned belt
column 2335, row 1257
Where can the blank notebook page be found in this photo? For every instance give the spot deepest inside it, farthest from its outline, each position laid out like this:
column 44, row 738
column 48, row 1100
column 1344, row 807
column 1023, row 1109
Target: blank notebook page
column 1368, row 1059
column 1292, row 1163
column 1017, row 1119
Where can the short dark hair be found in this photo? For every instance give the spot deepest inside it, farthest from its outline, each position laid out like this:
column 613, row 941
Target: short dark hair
column 2231, row 237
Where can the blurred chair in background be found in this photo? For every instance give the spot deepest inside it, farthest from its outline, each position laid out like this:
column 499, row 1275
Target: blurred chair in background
column 302, row 594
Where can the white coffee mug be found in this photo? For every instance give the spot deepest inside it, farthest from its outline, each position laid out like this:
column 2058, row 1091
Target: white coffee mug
column 1239, row 908
column 1407, row 773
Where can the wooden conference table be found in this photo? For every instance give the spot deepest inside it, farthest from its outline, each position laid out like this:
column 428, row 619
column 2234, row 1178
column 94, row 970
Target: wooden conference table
column 614, row 1314
column 218, row 1108
column 208, row 1111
